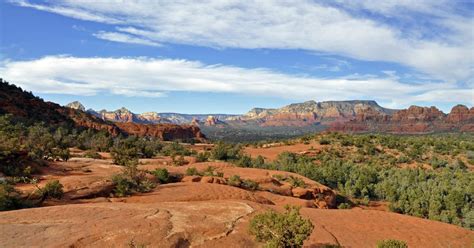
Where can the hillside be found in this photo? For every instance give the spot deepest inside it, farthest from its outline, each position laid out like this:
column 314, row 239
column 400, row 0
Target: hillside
column 29, row 109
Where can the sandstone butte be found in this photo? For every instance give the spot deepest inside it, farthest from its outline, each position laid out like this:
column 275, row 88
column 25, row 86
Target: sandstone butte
column 412, row 120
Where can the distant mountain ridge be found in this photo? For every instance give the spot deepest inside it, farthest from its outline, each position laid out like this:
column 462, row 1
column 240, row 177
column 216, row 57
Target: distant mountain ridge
column 348, row 116
column 125, row 115
column 297, row 114
column 312, row 112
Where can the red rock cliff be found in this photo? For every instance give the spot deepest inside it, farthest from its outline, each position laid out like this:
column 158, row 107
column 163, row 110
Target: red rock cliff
column 162, row 131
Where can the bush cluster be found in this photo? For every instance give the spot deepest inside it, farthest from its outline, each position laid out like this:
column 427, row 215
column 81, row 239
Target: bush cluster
column 131, row 180
column 288, row 229
column 392, row 243
column 368, row 171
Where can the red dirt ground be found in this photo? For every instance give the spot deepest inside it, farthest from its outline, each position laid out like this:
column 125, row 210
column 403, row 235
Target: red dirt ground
column 197, row 214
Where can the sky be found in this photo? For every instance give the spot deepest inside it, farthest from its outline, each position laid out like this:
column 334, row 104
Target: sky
column 230, row 56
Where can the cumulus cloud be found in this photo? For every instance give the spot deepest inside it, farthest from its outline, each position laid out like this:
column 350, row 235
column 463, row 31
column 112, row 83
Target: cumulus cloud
column 313, row 26
column 155, row 77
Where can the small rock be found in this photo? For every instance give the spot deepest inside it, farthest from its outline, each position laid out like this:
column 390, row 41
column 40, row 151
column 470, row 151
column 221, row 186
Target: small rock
column 188, row 179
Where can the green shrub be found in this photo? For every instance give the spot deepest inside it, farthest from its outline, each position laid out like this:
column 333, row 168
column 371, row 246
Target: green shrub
column 179, row 161
column 331, row 246
column 209, row 171
column 259, row 161
column 344, row 205
column 61, row 153
column 226, row 152
column 403, row 159
column 346, row 142
column 52, row 189
column 296, row 181
column 123, row 185
column 175, row 149
column 249, row 185
column 92, row 154
column 131, row 180
column 40, row 142
column 437, row 163
column 203, row 157
column 244, row 161
column 286, row 229
column 234, row 181
column 9, row 197
column 392, row 243
column 458, row 164
column 192, row 171
column 161, row 175
column 324, row 141
column 470, row 157
column 279, row 177
column 125, row 152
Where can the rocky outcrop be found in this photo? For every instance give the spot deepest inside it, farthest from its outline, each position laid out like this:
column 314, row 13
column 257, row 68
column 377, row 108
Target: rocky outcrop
column 311, row 112
column 125, row 115
column 418, row 114
column 85, row 120
column 151, row 117
column 460, row 113
column 76, row 105
column 415, row 119
column 119, row 115
column 213, row 121
column 162, row 131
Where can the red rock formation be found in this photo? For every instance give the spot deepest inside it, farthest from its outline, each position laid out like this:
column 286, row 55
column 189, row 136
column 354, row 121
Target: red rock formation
column 162, row 131
column 291, row 119
column 195, row 122
column 412, row 120
column 31, row 109
column 211, row 121
column 460, row 113
column 417, row 114
column 311, row 112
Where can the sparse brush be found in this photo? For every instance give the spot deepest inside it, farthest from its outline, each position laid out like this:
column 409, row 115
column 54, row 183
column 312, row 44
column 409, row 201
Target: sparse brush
column 179, row 161
column 249, row 185
column 296, row 181
column 288, row 229
column 52, row 189
column 92, row 154
column 234, row 181
column 161, row 175
column 192, row 171
column 392, row 243
column 131, row 180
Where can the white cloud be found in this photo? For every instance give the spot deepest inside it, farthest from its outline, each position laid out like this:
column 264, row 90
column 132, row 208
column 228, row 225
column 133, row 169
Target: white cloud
column 80, row 14
column 307, row 25
column 154, row 77
column 125, row 38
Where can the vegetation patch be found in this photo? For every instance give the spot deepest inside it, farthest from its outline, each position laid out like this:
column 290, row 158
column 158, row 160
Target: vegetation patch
column 131, row 181
column 288, row 229
column 392, row 243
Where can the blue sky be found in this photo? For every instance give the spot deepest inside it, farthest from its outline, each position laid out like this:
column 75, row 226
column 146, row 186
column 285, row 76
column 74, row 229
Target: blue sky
column 230, row 56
